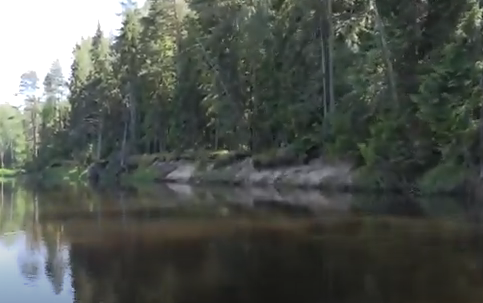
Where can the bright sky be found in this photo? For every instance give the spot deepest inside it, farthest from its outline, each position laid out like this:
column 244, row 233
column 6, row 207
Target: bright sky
column 35, row 33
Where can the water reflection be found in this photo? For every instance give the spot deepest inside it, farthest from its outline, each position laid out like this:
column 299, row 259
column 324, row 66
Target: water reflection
column 29, row 255
column 193, row 245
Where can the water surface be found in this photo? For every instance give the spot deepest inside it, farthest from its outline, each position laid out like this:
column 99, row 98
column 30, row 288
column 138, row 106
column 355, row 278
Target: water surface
column 182, row 244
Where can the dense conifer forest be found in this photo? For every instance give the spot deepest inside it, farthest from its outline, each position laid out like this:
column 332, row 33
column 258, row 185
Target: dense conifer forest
column 393, row 86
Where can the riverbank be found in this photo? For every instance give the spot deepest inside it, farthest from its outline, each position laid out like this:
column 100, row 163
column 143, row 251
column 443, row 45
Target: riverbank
column 283, row 167
column 316, row 174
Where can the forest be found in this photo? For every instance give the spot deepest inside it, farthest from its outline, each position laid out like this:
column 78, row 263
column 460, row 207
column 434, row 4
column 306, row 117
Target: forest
column 395, row 87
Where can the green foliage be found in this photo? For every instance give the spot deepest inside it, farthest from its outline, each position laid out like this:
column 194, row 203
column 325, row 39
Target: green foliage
column 13, row 149
column 445, row 178
column 141, row 175
column 8, row 173
column 393, row 89
column 224, row 158
column 59, row 174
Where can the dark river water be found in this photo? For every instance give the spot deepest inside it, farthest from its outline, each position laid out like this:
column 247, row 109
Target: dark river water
column 193, row 245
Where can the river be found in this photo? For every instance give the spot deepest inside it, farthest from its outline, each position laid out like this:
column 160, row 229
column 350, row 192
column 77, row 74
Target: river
column 182, row 244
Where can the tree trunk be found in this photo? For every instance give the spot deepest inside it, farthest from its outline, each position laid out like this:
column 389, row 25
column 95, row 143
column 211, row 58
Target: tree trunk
column 330, row 57
column 123, row 145
column 385, row 51
column 322, row 66
column 132, row 118
column 34, row 126
column 480, row 126
column 99, row 140
column 178, row 30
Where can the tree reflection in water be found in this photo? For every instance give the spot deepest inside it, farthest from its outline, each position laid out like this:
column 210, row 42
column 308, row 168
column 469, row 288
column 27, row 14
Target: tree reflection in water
column 133, row 256
column 360, row 261
column 42, row 252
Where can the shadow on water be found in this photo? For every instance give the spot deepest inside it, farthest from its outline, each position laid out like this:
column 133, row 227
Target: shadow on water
column 186, row 244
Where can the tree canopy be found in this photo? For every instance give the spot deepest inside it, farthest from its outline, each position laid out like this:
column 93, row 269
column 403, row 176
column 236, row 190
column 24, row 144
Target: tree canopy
column 394, row 86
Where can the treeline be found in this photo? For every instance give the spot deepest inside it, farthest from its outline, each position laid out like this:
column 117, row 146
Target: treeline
column 12, row 137
column 394, row 86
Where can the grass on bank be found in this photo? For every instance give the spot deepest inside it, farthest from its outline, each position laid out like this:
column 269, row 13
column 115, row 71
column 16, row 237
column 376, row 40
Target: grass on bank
column 140, row 176
column 9, row 173
column 65, row 173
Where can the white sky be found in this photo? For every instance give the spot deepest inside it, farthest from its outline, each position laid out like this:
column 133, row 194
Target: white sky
column 34, row 33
